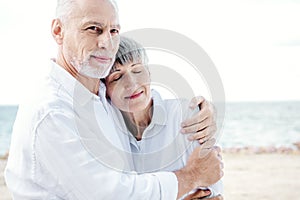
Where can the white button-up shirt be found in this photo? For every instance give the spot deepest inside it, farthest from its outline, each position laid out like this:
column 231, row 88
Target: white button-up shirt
column 64, row 146
column 162, row 147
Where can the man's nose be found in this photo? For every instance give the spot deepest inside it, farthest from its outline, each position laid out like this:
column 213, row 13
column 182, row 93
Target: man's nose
column 105, row 41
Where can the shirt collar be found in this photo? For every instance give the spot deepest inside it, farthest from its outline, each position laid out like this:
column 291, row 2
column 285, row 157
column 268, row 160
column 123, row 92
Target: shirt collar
column 102, row 92
column 159, row 112
column 73, row 87
column 159, row 116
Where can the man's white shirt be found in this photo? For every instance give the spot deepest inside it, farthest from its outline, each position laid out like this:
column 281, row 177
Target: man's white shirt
column 64, row 146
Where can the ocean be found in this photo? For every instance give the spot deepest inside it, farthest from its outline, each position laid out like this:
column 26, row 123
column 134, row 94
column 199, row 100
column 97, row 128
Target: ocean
column 261, row 124
column 7, row 118
column 246, row 124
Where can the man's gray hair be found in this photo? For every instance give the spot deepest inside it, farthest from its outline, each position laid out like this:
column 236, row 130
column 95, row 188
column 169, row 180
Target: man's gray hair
column 64, row 8
column 130, row 51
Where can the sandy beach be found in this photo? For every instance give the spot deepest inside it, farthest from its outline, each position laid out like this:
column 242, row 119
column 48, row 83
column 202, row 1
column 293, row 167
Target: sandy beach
column 4, row 194
column 248, row 176
column 261, row 176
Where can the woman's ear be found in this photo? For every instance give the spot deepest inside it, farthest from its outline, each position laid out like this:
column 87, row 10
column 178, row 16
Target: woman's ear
column 147, row 67
column 57, row 31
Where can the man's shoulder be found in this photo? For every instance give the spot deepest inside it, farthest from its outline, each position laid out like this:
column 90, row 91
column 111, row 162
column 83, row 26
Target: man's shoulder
column 55, row 104
column 173, row 104
column 176, row 104
column 47, row 99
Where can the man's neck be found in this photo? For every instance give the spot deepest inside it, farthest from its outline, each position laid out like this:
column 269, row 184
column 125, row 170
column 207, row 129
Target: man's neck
column 92, row 84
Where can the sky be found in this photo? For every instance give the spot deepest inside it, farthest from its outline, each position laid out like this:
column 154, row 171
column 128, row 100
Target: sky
column 254, row 44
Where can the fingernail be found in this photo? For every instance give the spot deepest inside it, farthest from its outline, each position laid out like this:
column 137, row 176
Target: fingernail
column 182, row 130
column 191, row 137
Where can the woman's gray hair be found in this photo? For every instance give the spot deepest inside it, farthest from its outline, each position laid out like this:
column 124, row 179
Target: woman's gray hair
column 130, row 51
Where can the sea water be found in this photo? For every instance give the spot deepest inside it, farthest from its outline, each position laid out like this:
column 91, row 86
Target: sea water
column 261, row 124
column 7, row 118
column 246, row 124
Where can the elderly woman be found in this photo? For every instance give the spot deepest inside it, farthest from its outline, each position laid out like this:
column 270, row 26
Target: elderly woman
column 151, row 123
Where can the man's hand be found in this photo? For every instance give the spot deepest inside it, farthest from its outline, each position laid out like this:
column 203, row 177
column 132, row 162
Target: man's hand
column 198, row 194
column 219, row 197
column 200, row 171
column 203, row 124
column 201, row 194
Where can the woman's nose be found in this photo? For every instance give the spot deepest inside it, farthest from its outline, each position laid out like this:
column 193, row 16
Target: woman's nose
column 129, row 82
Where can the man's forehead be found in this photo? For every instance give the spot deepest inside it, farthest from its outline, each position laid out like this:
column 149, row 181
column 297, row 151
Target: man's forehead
column 98, row 14
column 97, row 8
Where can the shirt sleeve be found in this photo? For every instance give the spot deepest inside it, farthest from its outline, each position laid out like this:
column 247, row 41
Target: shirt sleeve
column 73, row 173
column 216, row 188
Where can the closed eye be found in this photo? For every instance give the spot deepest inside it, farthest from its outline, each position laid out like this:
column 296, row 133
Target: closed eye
column 136, row 72
column 137, row 68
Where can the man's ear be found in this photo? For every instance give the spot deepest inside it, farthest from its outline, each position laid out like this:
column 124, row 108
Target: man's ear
column 57, row 31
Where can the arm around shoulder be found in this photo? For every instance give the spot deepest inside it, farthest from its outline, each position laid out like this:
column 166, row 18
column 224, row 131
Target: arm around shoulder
column 77, row 174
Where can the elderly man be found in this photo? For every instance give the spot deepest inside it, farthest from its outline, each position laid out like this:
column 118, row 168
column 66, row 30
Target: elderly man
column 64, row 144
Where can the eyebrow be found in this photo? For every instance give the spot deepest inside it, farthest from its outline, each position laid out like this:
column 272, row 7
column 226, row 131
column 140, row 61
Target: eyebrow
column 101, row 24
column 137, row 63
column 118, row 26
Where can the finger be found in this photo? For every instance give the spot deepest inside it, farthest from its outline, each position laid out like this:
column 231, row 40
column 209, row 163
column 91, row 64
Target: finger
column 222, row 165
column 196, row 101
column 195, row 127
column 204, row 152
column 205, row 139
column 204, row 134
column 204, row 104
column 219, row 197
column 195, row 119
column 198, row 194
column 200, row 135
column 218, row 149
column 211, row 134
column 207, row 147
column 210, row 107
column 220, row 156
column 198, row 117
column 209, row 144
column 198, row 126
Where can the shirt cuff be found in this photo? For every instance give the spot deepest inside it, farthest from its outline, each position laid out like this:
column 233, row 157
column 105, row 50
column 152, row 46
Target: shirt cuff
column 168, row 185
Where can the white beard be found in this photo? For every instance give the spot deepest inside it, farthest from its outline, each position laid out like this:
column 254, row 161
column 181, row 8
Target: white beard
column 86, row 70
